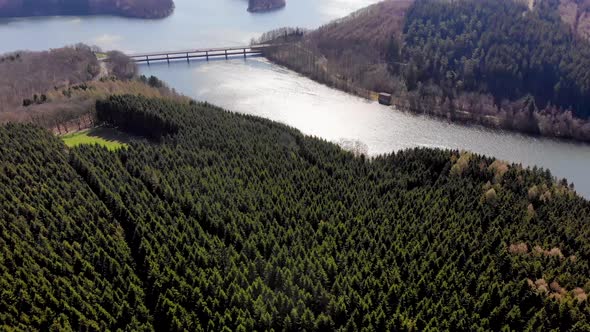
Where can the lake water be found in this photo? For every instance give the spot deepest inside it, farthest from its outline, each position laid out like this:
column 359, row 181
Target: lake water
column 194, row 24
column 255, row 86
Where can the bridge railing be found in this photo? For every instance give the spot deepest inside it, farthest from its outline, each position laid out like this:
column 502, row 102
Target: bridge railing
column 198, row 53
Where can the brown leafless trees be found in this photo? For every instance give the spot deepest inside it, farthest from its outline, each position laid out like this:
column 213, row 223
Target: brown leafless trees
column 58, row 89
column 120, row 65
column 24, row 74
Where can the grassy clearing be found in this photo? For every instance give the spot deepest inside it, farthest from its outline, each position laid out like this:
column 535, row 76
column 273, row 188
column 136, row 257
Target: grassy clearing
column 110, row 138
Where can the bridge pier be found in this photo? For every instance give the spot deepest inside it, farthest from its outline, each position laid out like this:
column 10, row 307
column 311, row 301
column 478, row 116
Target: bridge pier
column 225, row 54
column 147, row 59
column 207, row 55
column 187, row 58
column 244, row 53
column 168, row 58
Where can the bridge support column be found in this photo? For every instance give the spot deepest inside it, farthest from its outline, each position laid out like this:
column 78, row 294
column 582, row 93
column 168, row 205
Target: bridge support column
column 187, row 59
column 244, row 53
column 207, row 55
column 225, row 54
column 147, row 59
column 168, row 58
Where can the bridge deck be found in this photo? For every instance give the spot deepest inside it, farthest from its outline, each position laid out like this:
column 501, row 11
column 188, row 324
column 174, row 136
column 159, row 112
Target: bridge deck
column 193, row 56
column 203, row 50
column 198, row 53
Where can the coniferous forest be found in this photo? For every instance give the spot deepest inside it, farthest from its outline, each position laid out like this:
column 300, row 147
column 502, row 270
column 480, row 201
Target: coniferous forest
column 498, row 47
column 215, row 221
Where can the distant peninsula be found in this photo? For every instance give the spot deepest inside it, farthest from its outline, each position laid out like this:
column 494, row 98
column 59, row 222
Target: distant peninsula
column 255, row 6
column 150, row 9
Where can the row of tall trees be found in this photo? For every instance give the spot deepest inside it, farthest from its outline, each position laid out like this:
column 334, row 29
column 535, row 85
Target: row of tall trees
column 135, row 116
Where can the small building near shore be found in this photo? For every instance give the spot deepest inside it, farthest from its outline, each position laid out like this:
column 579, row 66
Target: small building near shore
column 385, row 98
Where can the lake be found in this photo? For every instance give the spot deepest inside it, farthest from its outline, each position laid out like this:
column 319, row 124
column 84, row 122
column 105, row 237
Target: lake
column 255, row 86
column 194, row 24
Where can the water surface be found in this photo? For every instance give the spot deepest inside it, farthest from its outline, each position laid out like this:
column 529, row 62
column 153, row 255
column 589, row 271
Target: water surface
column 194, row 24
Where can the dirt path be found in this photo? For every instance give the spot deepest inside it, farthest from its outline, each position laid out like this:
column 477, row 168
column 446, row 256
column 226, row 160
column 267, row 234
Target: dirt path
column 104, row 71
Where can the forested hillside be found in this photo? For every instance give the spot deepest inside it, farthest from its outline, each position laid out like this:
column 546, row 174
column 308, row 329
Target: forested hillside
column 64, row 262
column 223, row 221
column 500, row 63
column 25, row 74
column 502, row 50
column 576, row 14
column 349, row 53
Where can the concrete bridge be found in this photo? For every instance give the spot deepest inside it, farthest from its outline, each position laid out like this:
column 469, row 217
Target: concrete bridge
column 199, row 53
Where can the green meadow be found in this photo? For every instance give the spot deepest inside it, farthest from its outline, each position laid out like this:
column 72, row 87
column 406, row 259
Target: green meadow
column 110, row 138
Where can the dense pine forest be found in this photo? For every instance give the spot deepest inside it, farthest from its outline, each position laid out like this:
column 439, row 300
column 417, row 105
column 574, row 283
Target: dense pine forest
column 64, row 262
column 511, row 64
column 498, row 47
column 211, row 220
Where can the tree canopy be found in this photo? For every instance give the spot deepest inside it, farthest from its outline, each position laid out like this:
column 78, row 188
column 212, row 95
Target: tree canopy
column 233, row 222
column 500, row 47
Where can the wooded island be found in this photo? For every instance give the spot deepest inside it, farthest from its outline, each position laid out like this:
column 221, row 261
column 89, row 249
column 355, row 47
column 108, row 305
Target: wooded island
column 265, row 5
column 130, row 8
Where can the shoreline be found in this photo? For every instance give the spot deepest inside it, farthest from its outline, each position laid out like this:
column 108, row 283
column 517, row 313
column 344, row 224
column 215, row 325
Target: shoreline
column 402, row 103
